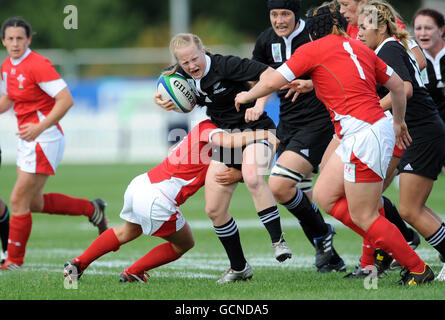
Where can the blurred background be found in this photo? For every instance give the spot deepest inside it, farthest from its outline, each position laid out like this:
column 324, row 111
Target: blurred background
column 111, row 53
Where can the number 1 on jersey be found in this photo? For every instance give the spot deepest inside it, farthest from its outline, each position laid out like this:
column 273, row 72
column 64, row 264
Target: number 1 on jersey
column 348, row 48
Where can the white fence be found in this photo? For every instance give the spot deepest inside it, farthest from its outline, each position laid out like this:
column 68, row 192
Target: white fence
column 126, row 128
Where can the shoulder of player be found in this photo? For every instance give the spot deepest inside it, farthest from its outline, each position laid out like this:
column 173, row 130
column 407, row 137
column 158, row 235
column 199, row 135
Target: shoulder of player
column 392, row 48
column 267, row 36
column 37, row 57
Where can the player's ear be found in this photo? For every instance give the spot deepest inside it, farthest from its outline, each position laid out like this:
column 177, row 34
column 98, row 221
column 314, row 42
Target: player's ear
column 383, row 28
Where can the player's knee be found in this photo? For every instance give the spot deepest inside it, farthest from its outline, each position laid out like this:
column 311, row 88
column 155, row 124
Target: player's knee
column 282, row 192
column 323, row 202
column 16, row 201
column 251, row 178
column 408, row 212
column 213, row 211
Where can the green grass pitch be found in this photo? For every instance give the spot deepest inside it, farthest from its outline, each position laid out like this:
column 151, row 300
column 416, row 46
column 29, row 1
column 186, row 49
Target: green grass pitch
column 55, row 239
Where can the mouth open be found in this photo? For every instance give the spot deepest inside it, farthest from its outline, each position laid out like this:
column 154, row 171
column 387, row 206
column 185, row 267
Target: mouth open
column 195, row 72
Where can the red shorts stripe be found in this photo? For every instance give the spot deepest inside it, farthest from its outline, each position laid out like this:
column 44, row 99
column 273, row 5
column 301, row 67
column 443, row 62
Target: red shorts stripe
column 363, row 173
column 42, row 164
column 167, row 227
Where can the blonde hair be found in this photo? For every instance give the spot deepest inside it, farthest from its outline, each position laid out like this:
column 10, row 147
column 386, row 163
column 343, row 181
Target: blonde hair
column 386, row 15
column 183, row 40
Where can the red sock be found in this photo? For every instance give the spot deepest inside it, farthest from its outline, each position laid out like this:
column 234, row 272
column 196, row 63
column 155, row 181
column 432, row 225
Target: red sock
column 367, row 258
column 103, row 244
column 383, row 234
column 340, row 211
column 157, row 256
column 19, row 232
column 57, row 203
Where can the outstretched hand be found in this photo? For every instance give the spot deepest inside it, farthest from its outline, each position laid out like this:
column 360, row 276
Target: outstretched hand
column 296, row 87
column 403, row 138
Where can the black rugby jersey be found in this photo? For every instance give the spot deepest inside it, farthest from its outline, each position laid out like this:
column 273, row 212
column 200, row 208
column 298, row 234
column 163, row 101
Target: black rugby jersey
column 227, row 76
column 422, row 116
column 434, row 77
column 273, row 50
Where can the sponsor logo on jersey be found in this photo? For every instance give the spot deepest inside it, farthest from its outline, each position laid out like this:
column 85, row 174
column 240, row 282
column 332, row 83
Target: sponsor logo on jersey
column 276, row 52
column 217, row 89
column 20, row 79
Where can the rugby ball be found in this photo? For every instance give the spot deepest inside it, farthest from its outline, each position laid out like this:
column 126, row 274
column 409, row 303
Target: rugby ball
column 176, row 88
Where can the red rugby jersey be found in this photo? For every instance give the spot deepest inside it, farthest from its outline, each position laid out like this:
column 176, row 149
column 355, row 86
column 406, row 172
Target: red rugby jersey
column 183, row 172
column 22, row 85
column 345, row 73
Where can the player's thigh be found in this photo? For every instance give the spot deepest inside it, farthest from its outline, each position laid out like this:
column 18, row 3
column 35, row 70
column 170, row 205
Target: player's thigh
column 335, row 142
column 391, row 172
column 257, row 159
column 182, row 240
column 27, row 186
column 329, row 187
column 414, row 191
column 363, row 201
column 217, row 196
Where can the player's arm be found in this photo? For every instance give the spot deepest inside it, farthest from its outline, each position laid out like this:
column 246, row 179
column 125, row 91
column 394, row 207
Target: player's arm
column 420, row 57
column 64, row 101
column 5, row 103
column 236, row 140
column 240, row 139
column 267, row 85
column 254, row 113
column 398, row 97
column 386, row 102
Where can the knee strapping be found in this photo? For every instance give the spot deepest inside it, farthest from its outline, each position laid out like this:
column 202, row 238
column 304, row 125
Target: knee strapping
column 281, row 171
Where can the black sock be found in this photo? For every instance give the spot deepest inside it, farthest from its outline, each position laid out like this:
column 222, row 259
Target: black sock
column 308, row 215
column 392, row 214
column 229, row 236
column 4, row 229
column 437, row 240
column 270, row 217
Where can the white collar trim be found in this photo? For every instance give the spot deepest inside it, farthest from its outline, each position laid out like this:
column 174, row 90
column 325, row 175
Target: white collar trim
column 377, row 50
column 17, row 61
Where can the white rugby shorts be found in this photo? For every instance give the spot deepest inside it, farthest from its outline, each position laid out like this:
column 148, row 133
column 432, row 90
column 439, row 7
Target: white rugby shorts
column 40, row 157
column 366, row 154
column 147, row 206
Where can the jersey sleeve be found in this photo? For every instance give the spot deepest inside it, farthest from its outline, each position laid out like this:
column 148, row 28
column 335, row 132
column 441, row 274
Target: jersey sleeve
column 393, row 56
column 240, row 69
column 300, row 63
column 44, row 71
column 52, row 88
column 382, row 71
column 206, row 129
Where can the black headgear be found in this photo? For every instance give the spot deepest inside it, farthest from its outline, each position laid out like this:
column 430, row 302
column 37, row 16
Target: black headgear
column 292, row 5
column 320, row 24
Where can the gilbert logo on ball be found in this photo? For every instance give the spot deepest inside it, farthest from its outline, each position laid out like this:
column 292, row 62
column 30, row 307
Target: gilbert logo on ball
column 176, row 88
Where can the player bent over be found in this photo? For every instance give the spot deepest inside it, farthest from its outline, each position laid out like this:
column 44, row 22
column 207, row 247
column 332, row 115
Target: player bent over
column 152, row 200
